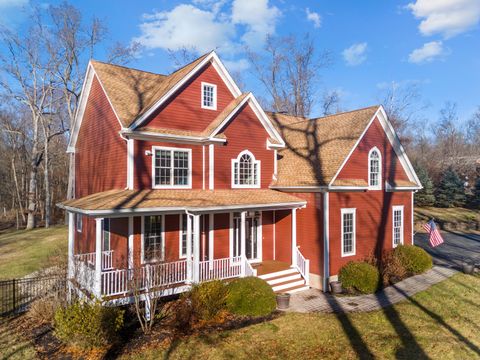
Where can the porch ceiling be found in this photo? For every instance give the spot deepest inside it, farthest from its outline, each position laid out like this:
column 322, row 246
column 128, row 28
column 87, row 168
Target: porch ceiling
column 145, row 201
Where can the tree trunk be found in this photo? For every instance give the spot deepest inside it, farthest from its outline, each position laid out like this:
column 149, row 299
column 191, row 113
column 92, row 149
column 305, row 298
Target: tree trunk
column 17, row 190
column 32, row 183
column 47, row 186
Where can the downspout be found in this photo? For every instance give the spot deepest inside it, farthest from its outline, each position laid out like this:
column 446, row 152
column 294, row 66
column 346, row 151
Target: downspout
column 326, row 241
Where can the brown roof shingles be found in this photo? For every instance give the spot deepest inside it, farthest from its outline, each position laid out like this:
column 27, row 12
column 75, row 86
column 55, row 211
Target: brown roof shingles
column 132, row 92
column 190, row 199
column 315, row 149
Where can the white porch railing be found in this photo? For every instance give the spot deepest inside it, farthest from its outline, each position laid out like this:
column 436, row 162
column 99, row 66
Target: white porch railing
column 89, row 259
column 220, row 269
column 122, row 281
column 249, row 270
column 303, row 265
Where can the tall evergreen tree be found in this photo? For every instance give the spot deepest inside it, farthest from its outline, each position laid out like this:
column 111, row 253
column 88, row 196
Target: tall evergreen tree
column 476, row 194
column 424, row 197
column 450, row 191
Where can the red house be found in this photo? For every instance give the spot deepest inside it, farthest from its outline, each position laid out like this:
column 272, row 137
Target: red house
column 183, row 178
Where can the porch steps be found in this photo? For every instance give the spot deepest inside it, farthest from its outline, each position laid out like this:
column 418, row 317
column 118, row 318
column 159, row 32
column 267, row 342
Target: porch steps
column 285, row 281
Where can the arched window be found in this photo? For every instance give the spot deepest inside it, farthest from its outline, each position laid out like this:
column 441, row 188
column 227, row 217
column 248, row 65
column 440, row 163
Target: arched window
column 245, row 171
column 374, row 169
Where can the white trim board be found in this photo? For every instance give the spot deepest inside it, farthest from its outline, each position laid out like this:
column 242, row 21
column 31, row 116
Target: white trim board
column 394, row 141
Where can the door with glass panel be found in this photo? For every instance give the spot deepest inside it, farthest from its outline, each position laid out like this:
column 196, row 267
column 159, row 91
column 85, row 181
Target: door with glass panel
column 252, row 223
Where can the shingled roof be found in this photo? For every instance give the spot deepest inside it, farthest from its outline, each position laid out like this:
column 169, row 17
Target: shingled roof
column 316, row 148
column 132, row 92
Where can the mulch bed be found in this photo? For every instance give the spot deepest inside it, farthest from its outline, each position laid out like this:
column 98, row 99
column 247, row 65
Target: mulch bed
column 164, row 334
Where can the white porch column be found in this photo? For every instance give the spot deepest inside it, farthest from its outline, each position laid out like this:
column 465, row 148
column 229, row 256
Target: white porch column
column 242, row 242
column 196, row 248
column 210, row 240
column 71, row 245
column 294, row 237
column 189, row 248
column 98, row 257
column 130, row 242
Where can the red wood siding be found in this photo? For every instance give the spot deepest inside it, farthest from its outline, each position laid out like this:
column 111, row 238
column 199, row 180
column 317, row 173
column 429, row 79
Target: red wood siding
column 357, row 165
column 283, row 235
column 100, row 154
column 119, row 241
column 310, row 230
column 184, row 111
column 373, row 223
column 143, row 163
column 244, row 132
column 267, row 235
column 221, row 236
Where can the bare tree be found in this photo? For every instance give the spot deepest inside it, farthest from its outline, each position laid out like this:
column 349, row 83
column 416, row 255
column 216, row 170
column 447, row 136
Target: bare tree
column 289, row 70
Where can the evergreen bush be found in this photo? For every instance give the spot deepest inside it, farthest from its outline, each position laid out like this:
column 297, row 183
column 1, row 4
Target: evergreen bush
column 250, row 296
column 450, row 191
column 414, row 259
column 360, row 276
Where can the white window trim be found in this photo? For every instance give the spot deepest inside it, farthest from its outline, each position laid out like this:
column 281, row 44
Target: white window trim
column 402, row 227
column 354, row 237
column 379, row 186
column 255, row 162
column 142, row 240
column 214, row 107
column 259, row 238
column 78, row 220
column 171, row 186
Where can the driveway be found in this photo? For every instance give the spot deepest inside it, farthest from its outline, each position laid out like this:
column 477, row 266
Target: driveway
column 457, row 248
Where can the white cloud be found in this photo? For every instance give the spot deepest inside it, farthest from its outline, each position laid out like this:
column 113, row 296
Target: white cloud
column 258, row 17
column 428, row 52
column 446, row 17
column 355, row 54
column 237, row 65
column 185, row 26
column 314, row 17
column 209, row 24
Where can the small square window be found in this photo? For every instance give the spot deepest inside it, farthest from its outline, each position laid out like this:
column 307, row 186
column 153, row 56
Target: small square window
column 209, row 96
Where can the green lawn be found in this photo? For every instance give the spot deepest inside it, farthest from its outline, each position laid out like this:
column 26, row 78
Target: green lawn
column 441, row 323
column 448, row 215
column 13, row 346
column 23, row 252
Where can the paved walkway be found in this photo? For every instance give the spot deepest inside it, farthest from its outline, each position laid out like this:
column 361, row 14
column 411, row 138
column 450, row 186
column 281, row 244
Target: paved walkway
column 314, row 300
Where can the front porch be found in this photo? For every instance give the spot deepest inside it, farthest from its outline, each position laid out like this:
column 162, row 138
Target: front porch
column 122, row 241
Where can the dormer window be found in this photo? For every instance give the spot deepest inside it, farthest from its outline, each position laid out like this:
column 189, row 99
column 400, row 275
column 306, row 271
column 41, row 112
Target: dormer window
column 245, row 171
column 374, row 169
column 209, row 96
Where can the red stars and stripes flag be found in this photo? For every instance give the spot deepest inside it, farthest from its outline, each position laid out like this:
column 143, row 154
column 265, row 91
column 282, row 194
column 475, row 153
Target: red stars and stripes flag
column 434, row 235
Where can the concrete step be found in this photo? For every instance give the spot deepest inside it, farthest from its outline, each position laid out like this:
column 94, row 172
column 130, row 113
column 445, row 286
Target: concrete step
column 278, row 273
column 296, row 289
column 288, row 285
column 282, row 279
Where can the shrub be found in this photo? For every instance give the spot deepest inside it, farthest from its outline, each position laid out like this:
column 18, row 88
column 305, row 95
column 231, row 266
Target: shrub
column 88, row 325
column 42, row 311
column 392, row 269
column 414, row 259
column 208, row 299
column 250, row 296
column 360, row 276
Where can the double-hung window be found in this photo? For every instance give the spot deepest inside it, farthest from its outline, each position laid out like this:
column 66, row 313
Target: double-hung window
column 348, row 232
column 209, row 96
column 374, row 169
column 153, row 245
column 245, row 171
column 397, row 226
column 184, row 234
column 172, row 168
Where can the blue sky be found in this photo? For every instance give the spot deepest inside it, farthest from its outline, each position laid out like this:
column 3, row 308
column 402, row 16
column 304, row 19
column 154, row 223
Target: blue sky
column 432, row 43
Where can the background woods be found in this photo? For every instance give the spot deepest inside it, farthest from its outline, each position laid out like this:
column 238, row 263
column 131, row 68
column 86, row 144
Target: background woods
column 42, row 71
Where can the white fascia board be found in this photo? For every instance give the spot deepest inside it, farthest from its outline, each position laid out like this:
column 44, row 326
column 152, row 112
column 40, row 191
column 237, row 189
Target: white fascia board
column 229, row 117
column 390, row 188
column 147, row 135
column 300, row 188
column 180, row 209
column 348, row 188
column 216, row 63
column 84, row 95
column 394, row 141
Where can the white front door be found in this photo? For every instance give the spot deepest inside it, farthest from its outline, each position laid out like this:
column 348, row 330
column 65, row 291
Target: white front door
column 252, row 235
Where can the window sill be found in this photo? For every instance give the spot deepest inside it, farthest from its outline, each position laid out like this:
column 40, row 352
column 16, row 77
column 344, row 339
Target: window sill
column 348, row 255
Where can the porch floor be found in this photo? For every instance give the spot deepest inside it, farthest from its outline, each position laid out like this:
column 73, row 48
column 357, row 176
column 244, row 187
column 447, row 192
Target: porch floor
column 270, row 266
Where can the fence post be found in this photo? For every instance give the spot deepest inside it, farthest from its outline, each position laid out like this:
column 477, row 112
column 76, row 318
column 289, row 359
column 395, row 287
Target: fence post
column 14, row 296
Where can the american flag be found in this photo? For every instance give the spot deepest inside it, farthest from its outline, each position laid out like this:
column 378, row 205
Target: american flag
column 435, row 237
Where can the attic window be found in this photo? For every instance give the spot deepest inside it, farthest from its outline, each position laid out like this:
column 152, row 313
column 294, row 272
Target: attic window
column 209, row 96
column 374, row 169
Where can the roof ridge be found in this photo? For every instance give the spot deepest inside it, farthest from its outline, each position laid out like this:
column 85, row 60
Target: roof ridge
column 125, row 67
column 191, row 62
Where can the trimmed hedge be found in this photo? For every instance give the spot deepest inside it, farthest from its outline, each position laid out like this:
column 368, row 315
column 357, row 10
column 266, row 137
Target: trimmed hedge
column 208, row 299
column 414, row 259
column 360, row 276
column 88, row 325
column 250, row 296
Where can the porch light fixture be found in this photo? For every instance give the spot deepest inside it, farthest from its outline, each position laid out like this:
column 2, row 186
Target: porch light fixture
column 148, row 153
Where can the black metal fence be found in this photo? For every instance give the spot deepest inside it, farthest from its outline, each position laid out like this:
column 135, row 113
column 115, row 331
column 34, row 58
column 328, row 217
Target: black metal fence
column 17, row 294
